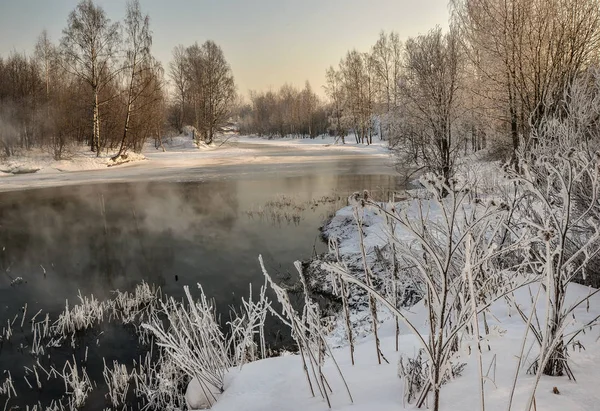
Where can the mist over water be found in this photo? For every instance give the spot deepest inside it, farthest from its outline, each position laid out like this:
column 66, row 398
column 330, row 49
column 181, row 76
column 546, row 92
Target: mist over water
column 102, row 237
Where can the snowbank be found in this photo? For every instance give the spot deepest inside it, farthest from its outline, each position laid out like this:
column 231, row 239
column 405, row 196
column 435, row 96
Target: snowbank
column 80, row 159
column 279, row 383
column 197, row 398
column 182, row 142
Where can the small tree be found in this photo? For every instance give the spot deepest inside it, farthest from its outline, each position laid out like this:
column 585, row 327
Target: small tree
column 137, row 63
column 335, row 91
column 177, row 73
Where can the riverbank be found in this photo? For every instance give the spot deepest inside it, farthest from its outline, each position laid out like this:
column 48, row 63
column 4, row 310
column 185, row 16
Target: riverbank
column 508, row 350
column 173, row 149
column 279, row 383
column 183, row 161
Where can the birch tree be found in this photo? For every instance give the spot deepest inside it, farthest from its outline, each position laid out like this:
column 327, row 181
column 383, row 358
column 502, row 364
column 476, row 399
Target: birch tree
column 179, row 79
column 89, row 48
column 138, row 60
column 45, row 54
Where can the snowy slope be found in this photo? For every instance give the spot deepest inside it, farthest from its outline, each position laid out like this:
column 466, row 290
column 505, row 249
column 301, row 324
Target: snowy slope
column 279, row 383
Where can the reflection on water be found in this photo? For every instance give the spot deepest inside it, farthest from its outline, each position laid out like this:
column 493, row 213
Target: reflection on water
column 100, row 238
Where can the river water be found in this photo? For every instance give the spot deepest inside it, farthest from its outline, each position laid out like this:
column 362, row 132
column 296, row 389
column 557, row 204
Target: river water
column 203, row 225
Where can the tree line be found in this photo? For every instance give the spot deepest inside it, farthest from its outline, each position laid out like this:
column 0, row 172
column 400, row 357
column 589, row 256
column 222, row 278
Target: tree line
column 100, row 85
column 286, row 112
column 486, row 82
column 489, row 81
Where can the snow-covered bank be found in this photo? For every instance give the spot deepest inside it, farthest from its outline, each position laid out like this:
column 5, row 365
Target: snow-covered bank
column 81, row 159
column 319, row 143
column 499, row 365
column 279, row 383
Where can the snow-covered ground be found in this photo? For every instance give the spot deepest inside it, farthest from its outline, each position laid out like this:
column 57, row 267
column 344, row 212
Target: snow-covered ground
column 320, row 142
column 80, row 159
column 279, row 383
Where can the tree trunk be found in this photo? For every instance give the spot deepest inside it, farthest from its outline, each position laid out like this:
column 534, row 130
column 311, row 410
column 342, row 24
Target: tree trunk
column 181, row 111
column 125, row 130
column 95, row 146
column 210, row 135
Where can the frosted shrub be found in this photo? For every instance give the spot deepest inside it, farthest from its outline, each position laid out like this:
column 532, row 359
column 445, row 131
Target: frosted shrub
column 451, row 246
column 415, row 373
column 247, row 339
column 90, row 311
column 77, row 384
column 558, row 183
column 159, row 383
column 307, row 332
column 117, row 380
column 140, row 303
column 193, row 340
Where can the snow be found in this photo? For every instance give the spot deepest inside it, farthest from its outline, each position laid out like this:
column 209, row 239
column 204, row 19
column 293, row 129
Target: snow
column 42, row 162
column 344, row 228
column 319, row 143
column 197, row 398
column 279, row 383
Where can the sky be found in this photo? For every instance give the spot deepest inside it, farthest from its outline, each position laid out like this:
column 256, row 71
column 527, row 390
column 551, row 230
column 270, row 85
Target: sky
column 267, row 42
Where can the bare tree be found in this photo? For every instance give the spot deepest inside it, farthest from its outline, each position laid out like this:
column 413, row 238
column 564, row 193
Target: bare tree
column 356, row 83
column 45, row 54
column 211, row 85
column 430, row 87
column 560, row 184
column 218, row 89
column 138, row 60
column 334, row 88
column 387, row 65
column 89, row 47
column 179, row 78
column 527, row 52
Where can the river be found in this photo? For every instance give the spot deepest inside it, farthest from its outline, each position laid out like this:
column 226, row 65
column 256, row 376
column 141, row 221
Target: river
column 169, row 225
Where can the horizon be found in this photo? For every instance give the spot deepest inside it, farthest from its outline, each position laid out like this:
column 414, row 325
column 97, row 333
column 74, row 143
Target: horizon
column 267, row 44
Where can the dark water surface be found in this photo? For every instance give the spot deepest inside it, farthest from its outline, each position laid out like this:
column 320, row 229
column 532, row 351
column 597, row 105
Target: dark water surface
column 100, row 237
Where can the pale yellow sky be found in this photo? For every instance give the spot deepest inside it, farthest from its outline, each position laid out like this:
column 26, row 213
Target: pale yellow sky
column 267, row 43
